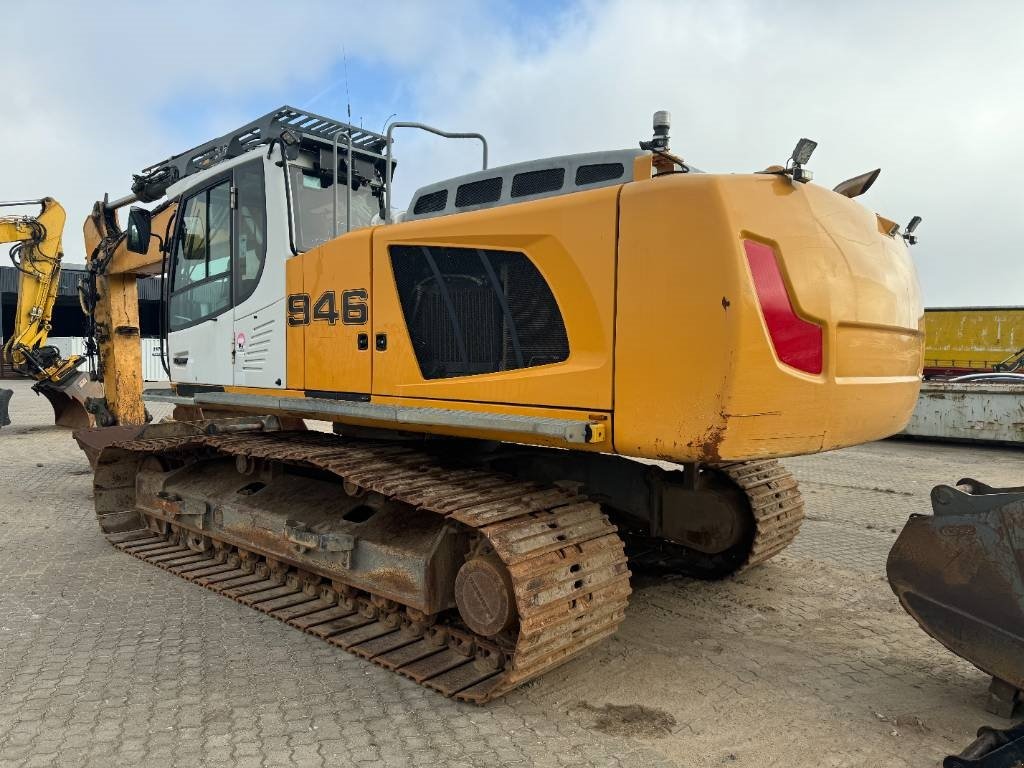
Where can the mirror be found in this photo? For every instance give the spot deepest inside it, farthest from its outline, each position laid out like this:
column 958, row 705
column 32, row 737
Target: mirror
column 139, row 220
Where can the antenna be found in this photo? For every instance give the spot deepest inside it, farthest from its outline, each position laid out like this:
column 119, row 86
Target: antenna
column 349, row 175
column 348, row 100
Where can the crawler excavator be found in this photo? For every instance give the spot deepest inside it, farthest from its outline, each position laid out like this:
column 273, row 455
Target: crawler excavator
column 36, row 253
column 537, row 376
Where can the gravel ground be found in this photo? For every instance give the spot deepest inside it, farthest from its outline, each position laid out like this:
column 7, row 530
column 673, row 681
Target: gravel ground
column 806, row 661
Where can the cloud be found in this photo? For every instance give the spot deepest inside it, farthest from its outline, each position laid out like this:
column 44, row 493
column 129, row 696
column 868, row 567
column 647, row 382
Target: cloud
column 928, row 91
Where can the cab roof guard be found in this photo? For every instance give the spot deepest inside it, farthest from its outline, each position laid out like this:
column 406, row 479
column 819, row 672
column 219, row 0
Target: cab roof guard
column 152, row 182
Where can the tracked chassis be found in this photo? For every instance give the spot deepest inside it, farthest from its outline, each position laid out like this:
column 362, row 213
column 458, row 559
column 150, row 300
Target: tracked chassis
column 466, row 580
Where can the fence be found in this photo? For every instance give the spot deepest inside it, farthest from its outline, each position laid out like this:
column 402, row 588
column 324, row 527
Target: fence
column 152, row 369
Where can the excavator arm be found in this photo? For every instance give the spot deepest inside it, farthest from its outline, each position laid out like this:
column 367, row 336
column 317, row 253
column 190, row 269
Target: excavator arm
column 111, row 299
column 37, row 253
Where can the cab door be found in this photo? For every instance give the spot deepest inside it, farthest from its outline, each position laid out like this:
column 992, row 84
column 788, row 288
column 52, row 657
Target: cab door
column 260, row 245
column 199, row 314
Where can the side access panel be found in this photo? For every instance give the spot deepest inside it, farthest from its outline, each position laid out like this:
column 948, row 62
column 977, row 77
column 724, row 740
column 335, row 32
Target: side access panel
column 571, row 241
column 328, row 311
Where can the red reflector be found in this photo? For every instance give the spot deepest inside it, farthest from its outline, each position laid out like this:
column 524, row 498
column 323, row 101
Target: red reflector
column 797, row 342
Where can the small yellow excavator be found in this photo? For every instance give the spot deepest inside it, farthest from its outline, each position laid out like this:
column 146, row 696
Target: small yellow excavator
column 37, row 255
column 538, row 376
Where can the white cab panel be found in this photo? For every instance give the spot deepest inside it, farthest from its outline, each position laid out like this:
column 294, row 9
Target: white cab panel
column 260, row 347
column 202, row 354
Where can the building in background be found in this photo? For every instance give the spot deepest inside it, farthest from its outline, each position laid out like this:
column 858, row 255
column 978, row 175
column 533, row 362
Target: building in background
column 69, row 326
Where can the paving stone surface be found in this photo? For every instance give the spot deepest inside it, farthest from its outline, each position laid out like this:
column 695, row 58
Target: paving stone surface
column 106, row 661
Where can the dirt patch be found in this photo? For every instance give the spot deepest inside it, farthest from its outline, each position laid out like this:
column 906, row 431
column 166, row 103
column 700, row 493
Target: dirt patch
column 630, row 720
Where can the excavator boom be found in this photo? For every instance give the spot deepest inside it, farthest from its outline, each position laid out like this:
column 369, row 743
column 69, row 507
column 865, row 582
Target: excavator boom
column 37, row 255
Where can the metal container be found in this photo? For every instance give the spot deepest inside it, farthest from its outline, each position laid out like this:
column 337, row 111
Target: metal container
column 988, row 412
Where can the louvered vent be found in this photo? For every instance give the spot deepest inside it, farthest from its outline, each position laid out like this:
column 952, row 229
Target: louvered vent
column 478, row 192
column 592, row 174
column 432, row 202
column 538, row 182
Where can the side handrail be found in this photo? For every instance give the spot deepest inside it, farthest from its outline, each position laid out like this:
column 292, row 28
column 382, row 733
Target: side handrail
column 429, row 129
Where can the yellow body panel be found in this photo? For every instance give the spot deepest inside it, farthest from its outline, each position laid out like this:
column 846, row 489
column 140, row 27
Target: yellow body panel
column 972, row 338
column 668, row 342
column 331, row 359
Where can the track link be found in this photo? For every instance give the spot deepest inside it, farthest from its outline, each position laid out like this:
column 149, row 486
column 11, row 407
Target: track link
column 569, row 572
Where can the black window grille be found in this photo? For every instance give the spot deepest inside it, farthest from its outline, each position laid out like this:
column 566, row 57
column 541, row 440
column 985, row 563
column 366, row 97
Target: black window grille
column 592, row 174
column 536, row 182
column 478, row 192
column 432, row 202
column 472, row 311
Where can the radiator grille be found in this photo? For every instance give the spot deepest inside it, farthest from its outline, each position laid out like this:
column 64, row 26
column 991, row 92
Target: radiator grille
column 472, row 311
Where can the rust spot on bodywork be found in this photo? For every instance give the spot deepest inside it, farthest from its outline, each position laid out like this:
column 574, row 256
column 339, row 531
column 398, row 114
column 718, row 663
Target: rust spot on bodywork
column 709, row 444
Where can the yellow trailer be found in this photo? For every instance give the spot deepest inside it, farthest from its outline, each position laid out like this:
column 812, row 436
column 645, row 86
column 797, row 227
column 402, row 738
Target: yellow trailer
column 971, row 339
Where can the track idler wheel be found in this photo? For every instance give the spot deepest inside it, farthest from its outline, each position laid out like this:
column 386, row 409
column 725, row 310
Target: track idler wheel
column 484, row 596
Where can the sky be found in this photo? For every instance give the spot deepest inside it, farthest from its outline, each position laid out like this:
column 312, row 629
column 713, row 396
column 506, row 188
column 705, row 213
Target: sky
column 931, row 92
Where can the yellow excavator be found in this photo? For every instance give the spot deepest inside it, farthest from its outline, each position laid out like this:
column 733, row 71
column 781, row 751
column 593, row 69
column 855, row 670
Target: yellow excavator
column 535, row 378
column 37, row 253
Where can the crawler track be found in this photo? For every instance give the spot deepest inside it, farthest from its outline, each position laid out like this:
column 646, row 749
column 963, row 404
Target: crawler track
column 569, row 573
column 777, row 509
column 566, row 561
column 776, row 503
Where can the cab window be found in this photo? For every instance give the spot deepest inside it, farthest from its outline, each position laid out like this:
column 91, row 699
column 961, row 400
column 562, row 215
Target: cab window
column 201, row 282
column 219, row 251
column 251, row 229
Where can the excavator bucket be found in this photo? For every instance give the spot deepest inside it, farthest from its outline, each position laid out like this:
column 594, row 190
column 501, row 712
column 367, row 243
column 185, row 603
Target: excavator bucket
column 960, row 573
column 93, row 440
column 67, row 412
column 68, row 400
column 5, row 402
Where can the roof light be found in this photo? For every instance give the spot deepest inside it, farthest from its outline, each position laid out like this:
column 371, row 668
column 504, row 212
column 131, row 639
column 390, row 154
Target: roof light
column 908, row 232
column 802, row 151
